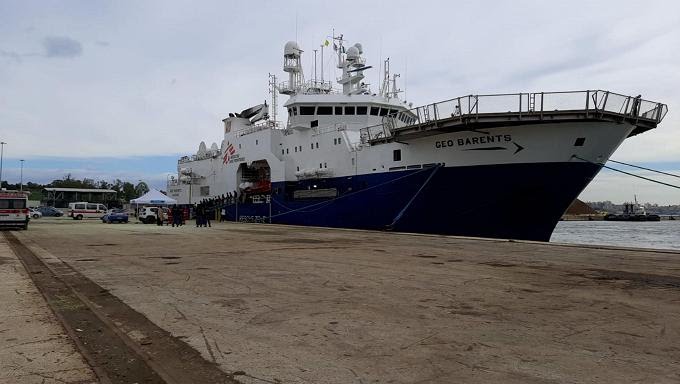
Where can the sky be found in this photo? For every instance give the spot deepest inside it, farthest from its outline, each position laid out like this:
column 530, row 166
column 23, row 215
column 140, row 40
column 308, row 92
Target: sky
column 121, row 89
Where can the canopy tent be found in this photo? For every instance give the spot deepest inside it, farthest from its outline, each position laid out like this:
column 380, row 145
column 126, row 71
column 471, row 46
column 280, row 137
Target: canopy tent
column 154, row 196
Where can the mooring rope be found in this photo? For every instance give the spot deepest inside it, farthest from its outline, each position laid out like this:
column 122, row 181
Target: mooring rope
column 628, row 173
column 646, row 169
column 403, row 210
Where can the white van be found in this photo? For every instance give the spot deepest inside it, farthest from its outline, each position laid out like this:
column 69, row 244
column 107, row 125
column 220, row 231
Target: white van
column 83, row 209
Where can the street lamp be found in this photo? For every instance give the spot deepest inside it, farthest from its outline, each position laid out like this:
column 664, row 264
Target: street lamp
column 21, row 185
column 2, row 151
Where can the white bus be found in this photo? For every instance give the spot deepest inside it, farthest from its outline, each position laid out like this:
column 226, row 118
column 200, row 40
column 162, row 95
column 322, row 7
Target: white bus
column 14, row 209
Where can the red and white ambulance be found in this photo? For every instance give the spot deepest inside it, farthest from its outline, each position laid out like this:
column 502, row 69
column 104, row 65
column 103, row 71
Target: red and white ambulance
column 14, row 209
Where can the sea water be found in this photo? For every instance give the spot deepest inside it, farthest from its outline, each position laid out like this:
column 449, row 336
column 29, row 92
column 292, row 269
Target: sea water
column 649, row 234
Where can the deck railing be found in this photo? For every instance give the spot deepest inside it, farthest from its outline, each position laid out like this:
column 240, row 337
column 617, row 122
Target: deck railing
column 520, row 105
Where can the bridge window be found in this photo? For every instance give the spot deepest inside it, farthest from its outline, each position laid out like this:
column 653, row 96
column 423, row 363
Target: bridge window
column 317, row 145
column 307, row 110
column 296, row 149
column 396, row 155
column 338, row 110
column 339, row 140
column 383, row 111
column 349, row 110
column 314, row 123
column 287, row 151
column 362, row 110
column 375, row 111
column 324, row 110
column 312, row 145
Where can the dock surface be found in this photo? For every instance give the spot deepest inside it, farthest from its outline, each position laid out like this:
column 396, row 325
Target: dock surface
column 285, row 304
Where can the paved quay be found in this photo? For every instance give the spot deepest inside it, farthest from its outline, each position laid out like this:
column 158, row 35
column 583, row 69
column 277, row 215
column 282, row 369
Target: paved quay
column 34, row 348
column 283, row 304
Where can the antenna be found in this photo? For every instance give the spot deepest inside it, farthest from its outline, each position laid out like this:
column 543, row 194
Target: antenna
column 321, row 63
column 385, row 86
column 405, row 78
column 315, row 65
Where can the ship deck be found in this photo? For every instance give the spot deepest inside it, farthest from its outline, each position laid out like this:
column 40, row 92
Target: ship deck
column 473, row 112
column 256, row 303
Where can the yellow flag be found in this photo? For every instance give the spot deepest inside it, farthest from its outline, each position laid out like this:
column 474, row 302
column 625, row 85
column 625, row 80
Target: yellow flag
column 326, row 43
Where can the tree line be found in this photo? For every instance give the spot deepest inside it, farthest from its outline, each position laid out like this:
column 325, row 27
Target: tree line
column 125, row 190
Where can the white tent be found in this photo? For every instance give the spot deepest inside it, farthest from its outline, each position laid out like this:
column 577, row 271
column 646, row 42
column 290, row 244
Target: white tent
column 154, row 196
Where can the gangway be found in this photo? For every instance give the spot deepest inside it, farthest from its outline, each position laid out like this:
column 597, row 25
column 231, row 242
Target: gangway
column 472, row 112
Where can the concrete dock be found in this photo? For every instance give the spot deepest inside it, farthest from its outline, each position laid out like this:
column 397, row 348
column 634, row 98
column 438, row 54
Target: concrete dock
column 255, row 303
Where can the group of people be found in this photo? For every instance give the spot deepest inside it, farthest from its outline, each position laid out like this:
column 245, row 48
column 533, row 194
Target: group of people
column 206, row 210
column 175, row 215
column 214, row 208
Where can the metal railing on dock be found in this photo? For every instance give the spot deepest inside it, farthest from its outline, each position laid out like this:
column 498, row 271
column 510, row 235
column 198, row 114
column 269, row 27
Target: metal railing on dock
column 517, row 108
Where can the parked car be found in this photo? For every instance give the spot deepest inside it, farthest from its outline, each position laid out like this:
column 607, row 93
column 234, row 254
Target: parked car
column 115, row 216
column 34, row 213
column 147, row 215
column 50, row 211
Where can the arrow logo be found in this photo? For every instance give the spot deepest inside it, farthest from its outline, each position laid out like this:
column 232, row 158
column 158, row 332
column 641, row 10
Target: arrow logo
column 519, row 148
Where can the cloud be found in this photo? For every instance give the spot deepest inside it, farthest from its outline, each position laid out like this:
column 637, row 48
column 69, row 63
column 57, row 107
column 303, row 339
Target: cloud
column 102, row 43
column 11, row 55
column 62, row 47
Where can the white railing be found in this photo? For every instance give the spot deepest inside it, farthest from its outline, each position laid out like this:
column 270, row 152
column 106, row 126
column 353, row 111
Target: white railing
column 268, row 124
column 520, row 105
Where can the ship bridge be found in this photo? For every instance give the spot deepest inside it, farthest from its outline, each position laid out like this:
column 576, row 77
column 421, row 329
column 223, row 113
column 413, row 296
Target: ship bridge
column 472, row 112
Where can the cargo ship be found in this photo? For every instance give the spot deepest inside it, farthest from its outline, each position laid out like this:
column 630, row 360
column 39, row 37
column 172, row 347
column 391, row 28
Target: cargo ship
column 351, row 157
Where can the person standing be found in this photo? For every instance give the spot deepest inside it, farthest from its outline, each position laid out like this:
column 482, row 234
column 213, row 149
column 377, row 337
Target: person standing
column 159, row 216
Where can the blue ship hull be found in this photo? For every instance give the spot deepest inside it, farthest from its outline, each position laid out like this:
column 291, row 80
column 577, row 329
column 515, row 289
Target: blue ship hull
column 514, row 201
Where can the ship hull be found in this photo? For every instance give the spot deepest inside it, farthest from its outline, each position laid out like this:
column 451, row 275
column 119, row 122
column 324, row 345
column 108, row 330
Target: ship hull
column 514, row 201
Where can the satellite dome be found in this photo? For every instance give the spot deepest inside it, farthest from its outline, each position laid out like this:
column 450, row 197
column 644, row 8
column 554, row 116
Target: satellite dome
column 360, row 48
column 291, row 49
column 352, row 53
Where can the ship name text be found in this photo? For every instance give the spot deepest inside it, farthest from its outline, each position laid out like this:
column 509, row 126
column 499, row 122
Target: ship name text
column 461, row 142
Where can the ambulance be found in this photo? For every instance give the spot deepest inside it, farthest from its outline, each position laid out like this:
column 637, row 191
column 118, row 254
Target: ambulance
column 13, row 209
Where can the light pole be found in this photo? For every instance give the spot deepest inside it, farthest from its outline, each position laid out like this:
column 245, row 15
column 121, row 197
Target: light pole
column 21, row 183
column 2, row 151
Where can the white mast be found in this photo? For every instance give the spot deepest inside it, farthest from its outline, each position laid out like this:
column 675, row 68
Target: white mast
column 292, row 63
column 272, row 90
